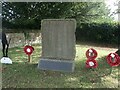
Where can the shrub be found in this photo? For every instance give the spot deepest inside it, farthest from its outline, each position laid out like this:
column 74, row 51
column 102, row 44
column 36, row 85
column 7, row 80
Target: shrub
column 98, row 32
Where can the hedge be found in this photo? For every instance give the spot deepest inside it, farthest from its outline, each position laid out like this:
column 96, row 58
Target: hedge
column 99, row 32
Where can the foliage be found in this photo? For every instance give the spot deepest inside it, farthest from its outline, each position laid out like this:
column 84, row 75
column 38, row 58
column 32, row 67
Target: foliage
column 98, row 32
column 29, row 14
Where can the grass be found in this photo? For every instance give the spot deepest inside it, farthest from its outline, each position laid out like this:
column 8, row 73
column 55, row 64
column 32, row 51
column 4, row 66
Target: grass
column 22, row 74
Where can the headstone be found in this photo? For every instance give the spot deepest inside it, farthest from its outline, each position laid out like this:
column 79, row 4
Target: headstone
column 58, row 44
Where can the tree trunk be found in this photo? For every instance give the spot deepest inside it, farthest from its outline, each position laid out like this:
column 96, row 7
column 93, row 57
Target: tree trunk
column 118, row 51
column 118, row 35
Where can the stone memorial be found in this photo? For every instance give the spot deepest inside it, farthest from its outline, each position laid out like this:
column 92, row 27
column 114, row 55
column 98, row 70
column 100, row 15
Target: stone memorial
column 5, row 45
column 58, row 45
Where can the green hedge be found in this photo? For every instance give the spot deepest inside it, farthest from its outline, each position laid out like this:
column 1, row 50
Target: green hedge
column 98, row 32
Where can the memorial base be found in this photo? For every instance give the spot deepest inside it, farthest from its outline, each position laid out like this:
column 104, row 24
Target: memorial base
column 6, row 60
column 56, row 65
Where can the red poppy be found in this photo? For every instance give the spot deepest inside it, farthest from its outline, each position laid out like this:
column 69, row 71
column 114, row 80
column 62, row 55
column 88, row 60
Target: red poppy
column 28, row 49
column 91, row 63
column 91, row 53
column 113, row 59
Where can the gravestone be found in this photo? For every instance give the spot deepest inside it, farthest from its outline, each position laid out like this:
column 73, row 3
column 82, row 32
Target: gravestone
column 58, row 44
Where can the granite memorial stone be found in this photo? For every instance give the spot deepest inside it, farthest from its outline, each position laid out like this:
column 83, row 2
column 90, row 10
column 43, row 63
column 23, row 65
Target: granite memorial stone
column 58, row 44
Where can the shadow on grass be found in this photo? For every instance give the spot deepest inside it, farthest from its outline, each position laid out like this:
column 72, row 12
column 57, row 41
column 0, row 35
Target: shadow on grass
column 93, row 75
column 27, row 75
column 104, row 68
column 22, row 74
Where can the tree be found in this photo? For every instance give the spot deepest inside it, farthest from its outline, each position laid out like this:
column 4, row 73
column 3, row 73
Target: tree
column 118, row 29
column 29, row 14
column 118, row 34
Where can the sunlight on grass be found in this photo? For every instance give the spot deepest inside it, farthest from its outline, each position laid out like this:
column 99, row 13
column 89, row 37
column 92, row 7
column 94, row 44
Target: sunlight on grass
column 22, row 74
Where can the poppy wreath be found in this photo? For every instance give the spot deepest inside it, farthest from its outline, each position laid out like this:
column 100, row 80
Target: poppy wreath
column 113, row 59
column 91, row 63
column 28, row 49
column 93, row 52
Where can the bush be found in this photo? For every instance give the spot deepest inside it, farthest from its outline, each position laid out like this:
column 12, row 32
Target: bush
column 98, row 32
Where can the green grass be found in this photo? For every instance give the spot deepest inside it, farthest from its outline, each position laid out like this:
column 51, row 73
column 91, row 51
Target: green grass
column 22, row 74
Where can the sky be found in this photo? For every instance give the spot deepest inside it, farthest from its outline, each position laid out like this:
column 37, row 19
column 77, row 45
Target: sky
column 111, row 5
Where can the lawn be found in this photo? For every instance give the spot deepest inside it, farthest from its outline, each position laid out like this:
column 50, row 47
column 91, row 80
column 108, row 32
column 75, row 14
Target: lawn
column 22, row 74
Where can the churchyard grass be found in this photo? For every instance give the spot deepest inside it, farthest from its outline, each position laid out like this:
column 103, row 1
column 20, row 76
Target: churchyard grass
column 22, row 74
